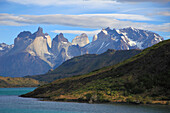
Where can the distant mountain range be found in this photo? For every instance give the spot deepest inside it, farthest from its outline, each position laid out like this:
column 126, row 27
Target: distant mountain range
column 143, row 78
column 35, row 53
column 4, row 48
column 122, row 39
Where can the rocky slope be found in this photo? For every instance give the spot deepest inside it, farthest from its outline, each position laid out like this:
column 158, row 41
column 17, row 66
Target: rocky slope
column 86, row 63
column 143, row 78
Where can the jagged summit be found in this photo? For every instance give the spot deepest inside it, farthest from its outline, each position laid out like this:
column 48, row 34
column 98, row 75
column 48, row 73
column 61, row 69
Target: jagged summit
column 38, row 33
column 81, row 40
column 25, row 34
column 122, row 39
column 60, row 38
column 4, row 48
column 38, row 51
column 107, row 29
column 40, row 30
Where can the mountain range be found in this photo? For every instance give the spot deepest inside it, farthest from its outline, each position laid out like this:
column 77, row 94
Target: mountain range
column 35, row 53
column 143, row 78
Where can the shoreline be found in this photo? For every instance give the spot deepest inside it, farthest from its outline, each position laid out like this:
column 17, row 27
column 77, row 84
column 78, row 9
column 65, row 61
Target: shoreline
column 21, row 87
column 106, row 102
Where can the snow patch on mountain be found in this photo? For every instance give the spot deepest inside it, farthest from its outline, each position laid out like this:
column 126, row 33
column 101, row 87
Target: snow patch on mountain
column 105, row 32
column 1, row 48
column 139, row 45
column 131, row 43
column 100, row 47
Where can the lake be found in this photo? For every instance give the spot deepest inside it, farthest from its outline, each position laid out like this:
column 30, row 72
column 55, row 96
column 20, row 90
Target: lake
column 11, row 103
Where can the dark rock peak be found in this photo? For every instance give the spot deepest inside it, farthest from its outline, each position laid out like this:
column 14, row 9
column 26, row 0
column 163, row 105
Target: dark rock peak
column 111, row 31
column 24, row 34
column 60, row 38
column 38, row 33
column 46, row 34
column 3, row 44
column 84, row 35
column 108, row 29
column 6, row 45
column 130, row 28
column 40, row 30
column 61, row 35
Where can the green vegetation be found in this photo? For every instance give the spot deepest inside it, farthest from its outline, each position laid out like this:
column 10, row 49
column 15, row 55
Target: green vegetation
column 143, row 78
column 18, row 82
column 86, row 63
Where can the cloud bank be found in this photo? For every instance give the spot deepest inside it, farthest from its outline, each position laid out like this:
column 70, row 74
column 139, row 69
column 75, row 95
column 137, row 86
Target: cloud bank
column 84, row 21
column 165, row 13
column 76, row 2
column 89, row 33
column 143, row 0
column 62, row 2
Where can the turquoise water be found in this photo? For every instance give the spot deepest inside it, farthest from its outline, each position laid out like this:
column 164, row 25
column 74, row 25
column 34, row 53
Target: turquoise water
column 11, row 103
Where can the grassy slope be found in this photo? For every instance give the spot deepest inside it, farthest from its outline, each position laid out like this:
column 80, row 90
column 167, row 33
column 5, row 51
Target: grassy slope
column 18, row 82
column 87, row 63
column 140, row 79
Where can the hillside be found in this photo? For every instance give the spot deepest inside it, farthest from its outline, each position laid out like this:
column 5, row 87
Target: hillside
column 18, row 82
column 143, row 78
column 86, row 63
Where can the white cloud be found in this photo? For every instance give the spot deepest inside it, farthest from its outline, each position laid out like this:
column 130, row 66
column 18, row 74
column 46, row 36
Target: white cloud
column 143, row 0
column 89, row 33
column 63, row 2
column 84, row 21
column 121, row 16
column 77, row 2
column 165, row 13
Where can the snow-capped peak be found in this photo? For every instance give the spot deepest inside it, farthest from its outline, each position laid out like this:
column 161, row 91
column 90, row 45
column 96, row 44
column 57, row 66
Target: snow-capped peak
column 104, row 31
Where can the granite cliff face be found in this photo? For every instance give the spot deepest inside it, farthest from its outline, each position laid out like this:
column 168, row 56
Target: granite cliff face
column 63, row 50
column 81, row 40
column 28, row 56
column 35, row 53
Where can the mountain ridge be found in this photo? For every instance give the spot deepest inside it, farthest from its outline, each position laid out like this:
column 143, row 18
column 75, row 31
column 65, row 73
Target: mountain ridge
column 52, row 54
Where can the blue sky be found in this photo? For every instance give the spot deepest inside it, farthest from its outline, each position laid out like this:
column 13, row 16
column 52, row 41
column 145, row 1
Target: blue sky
column 73, row 17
